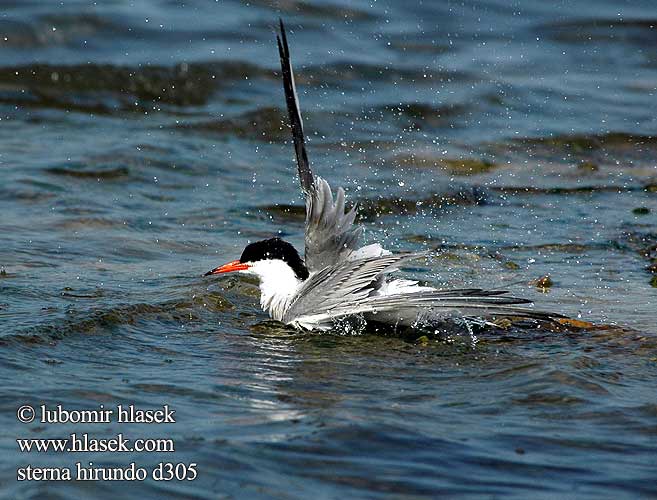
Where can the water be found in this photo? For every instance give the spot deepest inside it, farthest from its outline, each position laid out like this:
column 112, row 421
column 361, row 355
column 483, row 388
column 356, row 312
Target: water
column 141, row 145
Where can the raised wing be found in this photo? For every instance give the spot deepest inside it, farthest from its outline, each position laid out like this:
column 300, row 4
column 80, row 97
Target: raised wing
column 291, row 99
column 330, row 232
column 331, row 236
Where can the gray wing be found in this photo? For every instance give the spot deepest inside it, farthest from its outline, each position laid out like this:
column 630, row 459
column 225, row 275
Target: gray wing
column 343, row 285
column 438, row 304
column 331, row 235
column 350, row 288
column 330, row 232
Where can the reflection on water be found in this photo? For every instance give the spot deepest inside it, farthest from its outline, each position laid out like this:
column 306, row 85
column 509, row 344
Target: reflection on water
column 143, row 143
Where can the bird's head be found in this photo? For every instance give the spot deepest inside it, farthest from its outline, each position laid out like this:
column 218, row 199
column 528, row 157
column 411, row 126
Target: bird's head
column 266, row 258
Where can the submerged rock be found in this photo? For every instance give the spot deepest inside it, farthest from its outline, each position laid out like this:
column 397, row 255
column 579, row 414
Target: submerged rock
column 180, row 85
column 422, row 340
column 372, row 208
column 580, row 143
column 265, row 124
column 90, row 173
column 575, row 190
column 590, row 151
column 543, row 283
column 588, row 166
column 420, row 116
column 454, row 166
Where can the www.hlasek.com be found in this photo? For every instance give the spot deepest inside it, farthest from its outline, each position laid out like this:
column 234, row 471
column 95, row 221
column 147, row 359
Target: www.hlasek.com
column 84, row 443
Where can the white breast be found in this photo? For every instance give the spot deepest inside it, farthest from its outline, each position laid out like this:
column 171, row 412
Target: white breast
column 278, row 285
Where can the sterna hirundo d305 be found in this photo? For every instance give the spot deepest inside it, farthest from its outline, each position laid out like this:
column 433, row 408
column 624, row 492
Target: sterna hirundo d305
column 339, row 278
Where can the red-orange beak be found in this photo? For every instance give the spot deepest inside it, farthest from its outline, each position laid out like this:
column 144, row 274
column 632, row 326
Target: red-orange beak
column 235, row 265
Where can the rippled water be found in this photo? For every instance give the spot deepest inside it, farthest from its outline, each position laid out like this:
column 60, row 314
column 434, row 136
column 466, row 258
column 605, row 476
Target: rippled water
column 141, row 144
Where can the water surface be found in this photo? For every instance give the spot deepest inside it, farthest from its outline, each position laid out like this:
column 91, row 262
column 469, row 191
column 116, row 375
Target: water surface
column 142, row 143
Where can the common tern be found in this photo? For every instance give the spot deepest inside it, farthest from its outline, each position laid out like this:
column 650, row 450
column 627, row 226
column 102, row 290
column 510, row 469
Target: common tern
column 338, row 278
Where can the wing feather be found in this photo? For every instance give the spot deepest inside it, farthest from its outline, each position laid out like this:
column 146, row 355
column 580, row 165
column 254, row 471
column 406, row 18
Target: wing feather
column 350, row 282
column 296, row 122
column 330, row 233
column 427, row 306
column 352, row 286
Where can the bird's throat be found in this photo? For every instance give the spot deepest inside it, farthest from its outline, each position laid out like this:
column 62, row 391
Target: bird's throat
column 279, row 285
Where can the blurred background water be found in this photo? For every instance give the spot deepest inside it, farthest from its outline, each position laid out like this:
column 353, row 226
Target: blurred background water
column 143, row 143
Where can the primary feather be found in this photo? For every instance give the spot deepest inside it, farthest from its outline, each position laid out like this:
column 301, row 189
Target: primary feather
column 296, row 122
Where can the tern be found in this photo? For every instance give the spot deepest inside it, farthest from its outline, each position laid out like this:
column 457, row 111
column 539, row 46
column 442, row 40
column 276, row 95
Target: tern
column 338, row 278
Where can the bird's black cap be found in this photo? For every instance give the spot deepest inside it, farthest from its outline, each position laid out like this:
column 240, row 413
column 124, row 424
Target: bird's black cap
column 276, row 248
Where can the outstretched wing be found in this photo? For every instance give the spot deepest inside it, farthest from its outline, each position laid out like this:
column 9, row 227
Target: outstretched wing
column 330, row 232
column 354, row 287
column 435, row 304
column 343, row 285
